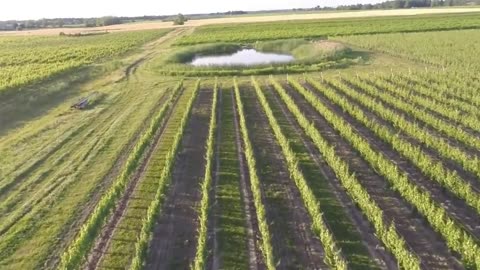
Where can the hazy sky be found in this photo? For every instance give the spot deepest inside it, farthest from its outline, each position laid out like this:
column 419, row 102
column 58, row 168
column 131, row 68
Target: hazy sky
column 37, row 9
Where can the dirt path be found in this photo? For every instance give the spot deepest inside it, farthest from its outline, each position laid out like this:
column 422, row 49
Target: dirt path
column 383, row 258
column 255, row 255
column 456, row 207
column 108, row 230
column 420, row 237
column 293, row 241
column 173, row 244
column 213, row 261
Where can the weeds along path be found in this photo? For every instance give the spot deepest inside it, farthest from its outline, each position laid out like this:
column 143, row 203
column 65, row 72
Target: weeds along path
column 256, row 255
column 173, row 245
column 420, row 237
column 76, row 179
column 106, row 235
column 437, row 127
column 351, row 229
column 294, row 244
column 46, row 134
column 233, row 231
column 114, row 245
column 79, row 186
column 455, row 206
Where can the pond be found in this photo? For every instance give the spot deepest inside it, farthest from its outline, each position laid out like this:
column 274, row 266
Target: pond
column 244, row 57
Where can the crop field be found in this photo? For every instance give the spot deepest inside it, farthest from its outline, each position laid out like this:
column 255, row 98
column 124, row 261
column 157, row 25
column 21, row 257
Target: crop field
column 364, row 153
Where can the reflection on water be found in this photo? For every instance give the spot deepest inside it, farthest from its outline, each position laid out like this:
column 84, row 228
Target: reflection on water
column 245, row 57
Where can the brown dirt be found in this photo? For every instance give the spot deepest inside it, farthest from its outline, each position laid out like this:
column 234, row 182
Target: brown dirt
column 375, row 247
column 455, row 206
column 213, row 261
column 255, row 254
column 294, row 243
column 419, row 236
column 101, row 245
column 173, row 244
column 450, row 164
column 452, row 141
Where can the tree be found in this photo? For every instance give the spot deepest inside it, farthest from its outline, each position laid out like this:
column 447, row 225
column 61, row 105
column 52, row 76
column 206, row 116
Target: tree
column 180, row 20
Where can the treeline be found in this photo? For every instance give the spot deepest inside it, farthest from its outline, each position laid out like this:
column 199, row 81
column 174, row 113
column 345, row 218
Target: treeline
column 61, row 22
column 398, row 4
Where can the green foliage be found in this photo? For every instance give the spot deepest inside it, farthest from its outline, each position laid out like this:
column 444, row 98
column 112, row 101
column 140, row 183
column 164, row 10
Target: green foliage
column 455, row 235
column 386, row 232
column 141, row 246
column 457, row 50
column 266, row 242
column 205, row 203
column 334, row 257
column 253, row 32
column 26, row 60
column 75, row 254
column 179, row 20
column 279, row 46
column 186, row 55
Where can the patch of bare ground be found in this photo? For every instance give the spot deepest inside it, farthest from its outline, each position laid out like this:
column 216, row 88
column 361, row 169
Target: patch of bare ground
column 433, row 153
column 455, row 206
column 419, row 236
column 173, row 244
column 213, row 260
column 255, row 255
column 376, row 249
column 294, row 243
column 101, row 245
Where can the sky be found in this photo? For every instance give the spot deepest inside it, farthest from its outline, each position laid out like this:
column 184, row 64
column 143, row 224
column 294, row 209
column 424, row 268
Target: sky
column 37, row 9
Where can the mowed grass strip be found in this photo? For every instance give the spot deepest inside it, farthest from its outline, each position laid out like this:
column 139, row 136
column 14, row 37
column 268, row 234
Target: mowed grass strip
column 49, row 229
column 232, row 224
column 122, row 247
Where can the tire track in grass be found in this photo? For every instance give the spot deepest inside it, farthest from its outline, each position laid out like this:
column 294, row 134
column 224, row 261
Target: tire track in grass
column 107, row 233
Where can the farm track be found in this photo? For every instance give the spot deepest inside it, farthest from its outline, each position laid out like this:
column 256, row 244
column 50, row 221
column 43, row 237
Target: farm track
column 111, row 174
column 35, row 217
column 108, row 230
column 294, row 244
column 256, row 259
column 420, row 237
column 229, row 227
column 213, row 258
column 359, row 223
column 24, row 169
column 88, row 151
column 173, row 244
column 455, row 206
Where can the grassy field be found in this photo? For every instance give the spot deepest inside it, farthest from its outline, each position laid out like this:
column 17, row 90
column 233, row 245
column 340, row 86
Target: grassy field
column 150, row 25
column 364, row 158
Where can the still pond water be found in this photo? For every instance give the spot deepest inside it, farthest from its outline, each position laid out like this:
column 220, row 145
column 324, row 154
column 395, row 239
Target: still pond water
column 245, row 57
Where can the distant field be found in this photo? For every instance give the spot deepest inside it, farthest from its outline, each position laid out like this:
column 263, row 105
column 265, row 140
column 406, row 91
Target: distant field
column 363, row 153
column 256, row 18
column 251, row 32
column 26, row 60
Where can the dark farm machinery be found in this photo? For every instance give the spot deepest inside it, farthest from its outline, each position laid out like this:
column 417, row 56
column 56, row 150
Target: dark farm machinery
column 85, row 101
